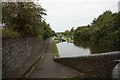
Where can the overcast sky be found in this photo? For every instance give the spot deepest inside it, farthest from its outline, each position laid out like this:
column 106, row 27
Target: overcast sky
column 64, row 14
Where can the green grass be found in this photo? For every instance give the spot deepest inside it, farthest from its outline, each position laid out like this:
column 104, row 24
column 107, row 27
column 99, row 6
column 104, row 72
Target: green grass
column 7, row 33
column 56, row 54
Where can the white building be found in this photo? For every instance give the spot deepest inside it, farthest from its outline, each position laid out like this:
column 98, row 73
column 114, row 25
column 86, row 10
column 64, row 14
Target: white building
column 119, row 6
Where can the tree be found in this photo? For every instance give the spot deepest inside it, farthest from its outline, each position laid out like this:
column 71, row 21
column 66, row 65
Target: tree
column 26, row 18
column 104, row 30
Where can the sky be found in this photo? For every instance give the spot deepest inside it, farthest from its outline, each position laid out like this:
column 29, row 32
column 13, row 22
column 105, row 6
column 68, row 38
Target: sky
column 64, row 14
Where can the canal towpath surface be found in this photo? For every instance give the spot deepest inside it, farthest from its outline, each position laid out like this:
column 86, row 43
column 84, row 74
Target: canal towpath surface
column 48, row 68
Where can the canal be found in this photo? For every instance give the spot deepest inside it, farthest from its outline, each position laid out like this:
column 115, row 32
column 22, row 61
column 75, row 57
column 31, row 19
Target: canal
column 70, row 50
column 67, row 49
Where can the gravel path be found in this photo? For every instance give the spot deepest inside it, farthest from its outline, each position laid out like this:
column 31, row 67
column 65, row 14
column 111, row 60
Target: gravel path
column 48, row 68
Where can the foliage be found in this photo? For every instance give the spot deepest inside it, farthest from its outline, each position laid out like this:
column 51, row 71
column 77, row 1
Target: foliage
column 104, row 30
column 53, row 33
column 68, row 33
column 25, row 18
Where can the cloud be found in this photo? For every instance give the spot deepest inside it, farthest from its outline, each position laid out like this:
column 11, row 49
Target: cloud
column 64, row 14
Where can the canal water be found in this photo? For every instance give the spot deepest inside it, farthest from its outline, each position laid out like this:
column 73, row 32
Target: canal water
column 66, row 49
column 70, row 50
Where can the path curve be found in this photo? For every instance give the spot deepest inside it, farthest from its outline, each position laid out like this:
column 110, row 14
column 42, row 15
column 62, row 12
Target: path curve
column 48, row 68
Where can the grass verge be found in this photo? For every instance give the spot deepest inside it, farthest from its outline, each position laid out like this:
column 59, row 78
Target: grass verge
column 9, row 33
column 55, row 49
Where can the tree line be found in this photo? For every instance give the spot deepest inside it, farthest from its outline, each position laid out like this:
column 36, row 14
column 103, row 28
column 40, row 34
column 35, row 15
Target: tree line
column 24, row 19
column 104, row 30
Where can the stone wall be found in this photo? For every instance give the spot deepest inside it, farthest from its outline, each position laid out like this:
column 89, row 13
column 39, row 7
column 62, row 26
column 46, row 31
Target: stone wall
column 96, row 65
column 19, row 54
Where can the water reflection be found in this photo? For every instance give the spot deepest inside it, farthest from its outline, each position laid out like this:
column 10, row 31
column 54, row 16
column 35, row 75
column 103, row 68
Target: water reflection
column 70, row 50
column 98, row 48
column 81, row 49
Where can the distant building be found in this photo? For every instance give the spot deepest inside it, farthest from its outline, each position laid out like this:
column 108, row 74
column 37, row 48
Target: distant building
column 119, row 6
column 59, row 36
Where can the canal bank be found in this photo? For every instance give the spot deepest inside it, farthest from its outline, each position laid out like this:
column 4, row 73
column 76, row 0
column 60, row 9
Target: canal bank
column 99, row 65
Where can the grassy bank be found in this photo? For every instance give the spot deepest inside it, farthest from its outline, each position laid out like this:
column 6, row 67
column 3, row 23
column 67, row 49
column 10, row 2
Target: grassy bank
column 9, row 33
column 55, row 49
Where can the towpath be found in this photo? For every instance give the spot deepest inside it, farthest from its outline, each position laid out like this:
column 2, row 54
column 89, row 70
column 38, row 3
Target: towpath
column 48, row 68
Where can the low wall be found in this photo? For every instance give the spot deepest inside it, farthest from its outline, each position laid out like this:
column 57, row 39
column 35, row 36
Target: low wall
column 19, row 54
column 96, row 66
